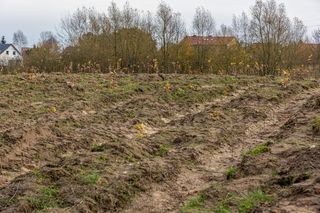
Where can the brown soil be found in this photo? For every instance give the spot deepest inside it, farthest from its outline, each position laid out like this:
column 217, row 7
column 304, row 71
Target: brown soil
column 136, row 143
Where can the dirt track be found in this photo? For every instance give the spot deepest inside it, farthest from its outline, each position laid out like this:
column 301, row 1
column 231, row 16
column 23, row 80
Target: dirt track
column 91, row 143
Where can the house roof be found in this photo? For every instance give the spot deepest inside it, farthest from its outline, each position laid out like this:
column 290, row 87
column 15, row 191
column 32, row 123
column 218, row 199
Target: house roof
column 3, row 48
column 210, row 40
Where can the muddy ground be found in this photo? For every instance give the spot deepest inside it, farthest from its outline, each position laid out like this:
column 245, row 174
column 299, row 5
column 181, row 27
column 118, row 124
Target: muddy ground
column 158, row 143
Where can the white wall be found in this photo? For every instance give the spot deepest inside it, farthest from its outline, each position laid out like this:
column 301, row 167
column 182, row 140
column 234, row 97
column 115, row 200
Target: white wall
column 5, row 58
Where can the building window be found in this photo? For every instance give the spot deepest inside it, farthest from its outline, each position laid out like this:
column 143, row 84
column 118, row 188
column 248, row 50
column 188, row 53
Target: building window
column 7, row 52
column 14, row 53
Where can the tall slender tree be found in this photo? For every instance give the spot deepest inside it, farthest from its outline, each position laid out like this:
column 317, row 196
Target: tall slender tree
column 164, row 20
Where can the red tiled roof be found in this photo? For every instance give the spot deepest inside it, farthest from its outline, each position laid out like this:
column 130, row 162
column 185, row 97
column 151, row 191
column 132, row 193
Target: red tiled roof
column 209, row 40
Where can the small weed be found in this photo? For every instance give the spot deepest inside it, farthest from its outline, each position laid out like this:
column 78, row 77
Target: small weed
column 102, row 159
column 46, row 198
column 194, row 204
column 89, row 178
column 163, row 150
column 140, row 127
column 229, row 80
column 130, row 158
column 259, row 149
column 39, row 175
column 223, row 208
column 177, row 94
column 216, row 114
column 316, row 125
column 231, row 172
column 139, row 136
column 98, row 148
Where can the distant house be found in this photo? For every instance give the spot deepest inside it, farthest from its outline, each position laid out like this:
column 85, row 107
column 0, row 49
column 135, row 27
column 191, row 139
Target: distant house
column 227, row 41
column 9, row 53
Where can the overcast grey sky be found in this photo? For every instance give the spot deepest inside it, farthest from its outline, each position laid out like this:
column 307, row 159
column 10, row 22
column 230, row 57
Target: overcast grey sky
column 35, row 16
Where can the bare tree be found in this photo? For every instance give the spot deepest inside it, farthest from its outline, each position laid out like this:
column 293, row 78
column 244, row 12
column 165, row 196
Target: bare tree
column 298, row 31
column 48, row 38
column 130, row 17
column 270, row 28
column 225, row 30
column 147, row 23
column 115, row 18
column 203, row 22
column 241, row 28
column 316, row 36
column 81, row 22
column 164, row 20
column 178, row 28
column 203, row 25
column 19, row 39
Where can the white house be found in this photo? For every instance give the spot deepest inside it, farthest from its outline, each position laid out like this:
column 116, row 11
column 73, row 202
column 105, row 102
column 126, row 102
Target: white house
column 8, row 53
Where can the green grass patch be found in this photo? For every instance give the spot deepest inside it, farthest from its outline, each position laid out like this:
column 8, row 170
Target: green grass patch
column 39, row 174
column 243, row 204
column 45, row 199
column 102, row 159
column 163, row 150
column 195, row 204
column 89, row 178
column 98, row 147
column 251, row 200
column 259, row 149
column 223, row 208
column 128, row 85
column 231, row 172
column 228, row 80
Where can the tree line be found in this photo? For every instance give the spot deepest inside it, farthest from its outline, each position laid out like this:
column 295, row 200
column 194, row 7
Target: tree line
column 127, row 39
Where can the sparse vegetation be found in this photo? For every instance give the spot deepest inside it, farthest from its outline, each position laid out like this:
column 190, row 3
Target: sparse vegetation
column 231, row 172
column 316, row 125
column 195, row 204
column 259, row 149
column 247, row 202
column 47, row 197
column 243, row 203
column 112, row 151
column 90, row 178
column 98, row 148
column 163, row 150
column 103, row 159
column 39, row 175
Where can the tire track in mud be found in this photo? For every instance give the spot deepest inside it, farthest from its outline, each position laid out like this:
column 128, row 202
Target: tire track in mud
column 27, row 139
column 30, row 137
column 169, row 196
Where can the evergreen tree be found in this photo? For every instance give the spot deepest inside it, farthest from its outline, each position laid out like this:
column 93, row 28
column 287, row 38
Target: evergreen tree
column 3, row 40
